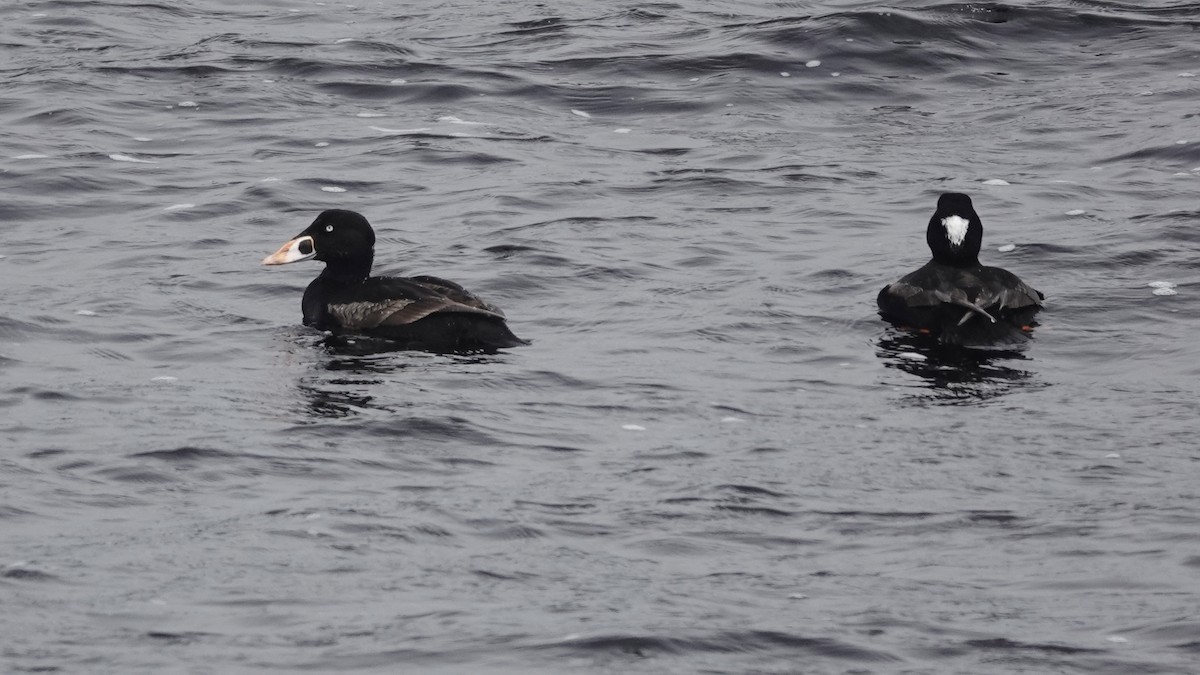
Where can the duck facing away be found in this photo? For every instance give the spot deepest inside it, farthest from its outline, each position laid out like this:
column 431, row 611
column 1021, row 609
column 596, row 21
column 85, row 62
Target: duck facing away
column 953, row 296
column 424, row 313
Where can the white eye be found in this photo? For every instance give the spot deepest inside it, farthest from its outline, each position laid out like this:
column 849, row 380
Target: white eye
column 329, row 228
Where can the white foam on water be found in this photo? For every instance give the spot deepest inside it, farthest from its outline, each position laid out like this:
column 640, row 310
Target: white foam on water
column 1076, row 212
column 732, row 420
column 268, row 81
column 622, row 130
column 398, row 81
column 164, row 378
column 580, row 113
column 32, row 156
column 1165, row 291
column 271, row 179
column 633, row 427
column 85, row 312
column 694, row 79
column 340, row 41
column 332, row 188
column 179, row 207
column 835, row 74
column 370, row 114
column 812, row 64
column 451, row 119
column 188, row 104
column 1161, row 284
column 996, row 181
column 1187, row 75
column 913, row 356
column 1007, row 248
column 1117, row 639
column 785, row 74
column 322, row 144
column 402, row 132
column 1113, row 455
column 126, row 158
column 142, row 139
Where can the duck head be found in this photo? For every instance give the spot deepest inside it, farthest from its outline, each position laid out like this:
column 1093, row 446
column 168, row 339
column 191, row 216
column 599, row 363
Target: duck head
column 955, row 232
column 342, row 239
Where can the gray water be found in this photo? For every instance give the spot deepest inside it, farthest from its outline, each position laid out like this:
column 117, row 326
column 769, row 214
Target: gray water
column 715, row 457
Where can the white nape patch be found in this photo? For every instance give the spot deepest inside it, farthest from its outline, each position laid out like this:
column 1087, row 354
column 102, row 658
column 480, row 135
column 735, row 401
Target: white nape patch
column 116, row 157
column 1007, row 248
column 956, row 229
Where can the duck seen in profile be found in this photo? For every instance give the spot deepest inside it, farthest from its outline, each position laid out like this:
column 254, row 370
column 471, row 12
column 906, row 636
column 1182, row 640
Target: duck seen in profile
column 423, row 312
column 955, row 298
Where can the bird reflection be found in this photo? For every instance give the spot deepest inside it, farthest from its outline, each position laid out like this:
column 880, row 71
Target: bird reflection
column 354, row 368
column 954, row 375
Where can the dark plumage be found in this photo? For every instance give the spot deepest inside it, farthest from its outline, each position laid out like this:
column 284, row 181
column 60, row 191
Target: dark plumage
column 953, row 296
column 422, row 312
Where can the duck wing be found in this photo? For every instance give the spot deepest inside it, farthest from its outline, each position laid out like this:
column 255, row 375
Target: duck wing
column 395, row 301
column 455, row 292
column 1003, row 290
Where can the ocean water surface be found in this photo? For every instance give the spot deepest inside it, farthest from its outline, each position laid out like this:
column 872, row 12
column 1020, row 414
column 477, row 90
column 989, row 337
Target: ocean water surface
column 715, row 457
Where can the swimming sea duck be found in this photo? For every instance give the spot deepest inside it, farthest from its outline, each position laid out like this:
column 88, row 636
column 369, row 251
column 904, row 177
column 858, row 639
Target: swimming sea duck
column 424, row 312
column 955, row 298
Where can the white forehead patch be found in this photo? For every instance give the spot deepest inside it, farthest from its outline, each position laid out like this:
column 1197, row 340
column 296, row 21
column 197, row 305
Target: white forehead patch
column 956, row 229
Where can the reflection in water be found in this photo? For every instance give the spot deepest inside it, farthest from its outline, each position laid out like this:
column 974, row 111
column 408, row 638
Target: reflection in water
column 355, row 368
column 953, row 375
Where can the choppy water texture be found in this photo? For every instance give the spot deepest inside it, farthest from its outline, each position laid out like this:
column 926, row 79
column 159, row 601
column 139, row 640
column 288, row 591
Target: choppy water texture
column 715, row 457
